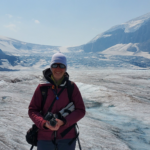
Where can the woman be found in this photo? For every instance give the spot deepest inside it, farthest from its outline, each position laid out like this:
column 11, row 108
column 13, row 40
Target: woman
column 56, row 78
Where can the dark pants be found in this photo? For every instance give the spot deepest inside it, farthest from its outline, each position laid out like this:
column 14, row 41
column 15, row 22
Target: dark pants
column 61, row 145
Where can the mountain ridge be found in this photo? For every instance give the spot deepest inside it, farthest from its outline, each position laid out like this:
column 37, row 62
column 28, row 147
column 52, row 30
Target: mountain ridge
column 114, row 48
column 131, row 25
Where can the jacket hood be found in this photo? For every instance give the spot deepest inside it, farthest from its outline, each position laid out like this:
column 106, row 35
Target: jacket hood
column 47, row 74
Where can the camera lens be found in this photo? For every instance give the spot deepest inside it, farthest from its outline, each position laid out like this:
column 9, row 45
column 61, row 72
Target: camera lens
column 53, row 122
column 49, row 116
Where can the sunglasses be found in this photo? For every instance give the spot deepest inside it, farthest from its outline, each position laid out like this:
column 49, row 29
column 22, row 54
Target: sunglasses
column 62, row 66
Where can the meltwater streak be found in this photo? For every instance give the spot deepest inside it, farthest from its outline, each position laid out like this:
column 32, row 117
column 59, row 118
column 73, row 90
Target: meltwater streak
column 134, row 133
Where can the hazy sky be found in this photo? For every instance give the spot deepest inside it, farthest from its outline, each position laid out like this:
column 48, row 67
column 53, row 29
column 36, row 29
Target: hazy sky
column 65, row 22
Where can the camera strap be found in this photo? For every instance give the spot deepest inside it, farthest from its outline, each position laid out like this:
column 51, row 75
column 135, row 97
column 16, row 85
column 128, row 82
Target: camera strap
column 55, row 132
column 56, row 98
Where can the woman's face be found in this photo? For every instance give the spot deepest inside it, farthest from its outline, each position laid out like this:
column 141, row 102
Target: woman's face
column 58, row 72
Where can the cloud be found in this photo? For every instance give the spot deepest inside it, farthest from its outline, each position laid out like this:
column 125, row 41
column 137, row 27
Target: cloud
column 8, row 15
column 11, row 27
column 19, row 17
column 37, row 21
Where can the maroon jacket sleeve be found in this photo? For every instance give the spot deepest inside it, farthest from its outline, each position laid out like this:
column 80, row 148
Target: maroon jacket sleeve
column 79, row 111
column 35, row 108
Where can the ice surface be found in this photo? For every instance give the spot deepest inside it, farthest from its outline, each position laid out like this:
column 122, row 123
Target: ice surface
column 117, row 104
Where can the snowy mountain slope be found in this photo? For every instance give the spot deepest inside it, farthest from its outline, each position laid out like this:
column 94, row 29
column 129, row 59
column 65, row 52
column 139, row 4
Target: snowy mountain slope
column 28, row 54
column 136, row 31
column 140, row 36
column 7, row 60
column 124, row 46
column 126, row 50
column 16, row 47
column 128, row 42
column 77, row 58
column 130, row 26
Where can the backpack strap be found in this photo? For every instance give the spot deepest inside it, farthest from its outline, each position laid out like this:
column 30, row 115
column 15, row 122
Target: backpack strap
column 70, row 88
column 44, row 90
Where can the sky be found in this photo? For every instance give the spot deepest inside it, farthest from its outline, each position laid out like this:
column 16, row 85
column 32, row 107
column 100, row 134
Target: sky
column 65, row 22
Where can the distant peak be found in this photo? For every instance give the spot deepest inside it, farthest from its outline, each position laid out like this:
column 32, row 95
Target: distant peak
column 132, row 25
column 129, row 26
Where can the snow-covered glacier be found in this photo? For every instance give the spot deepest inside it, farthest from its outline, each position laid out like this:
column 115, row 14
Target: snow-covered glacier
column 117, row 108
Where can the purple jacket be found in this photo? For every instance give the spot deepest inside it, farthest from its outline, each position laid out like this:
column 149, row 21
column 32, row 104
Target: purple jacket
column 35, row 108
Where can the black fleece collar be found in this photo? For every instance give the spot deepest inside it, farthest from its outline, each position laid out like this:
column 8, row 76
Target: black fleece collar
column 47, row 74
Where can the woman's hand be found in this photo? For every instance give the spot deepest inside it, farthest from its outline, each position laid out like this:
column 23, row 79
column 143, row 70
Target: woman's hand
column 58, row 124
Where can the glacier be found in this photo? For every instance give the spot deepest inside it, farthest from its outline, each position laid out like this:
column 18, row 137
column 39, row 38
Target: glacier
column 117, row 108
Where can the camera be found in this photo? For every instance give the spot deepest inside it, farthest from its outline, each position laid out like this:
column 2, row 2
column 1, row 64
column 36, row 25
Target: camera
column 51, row 118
